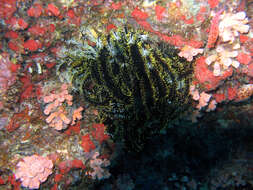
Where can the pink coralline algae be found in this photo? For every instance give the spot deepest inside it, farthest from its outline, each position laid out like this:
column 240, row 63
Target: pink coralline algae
column 87, row 143
column 7, row 72
column 16, row 23
column 244, row 92
column 77, row 115
column 206, row 77
column 213, row 3
column 33, row 171
column 7, row 8
column 116, row 6
column 214, row 30
column 159, row 10
column 212, row 105
column 139, row 15
column 32, row 45
column 53, row 9
column 99, row 132
column 35, row 11
column 11, row 34
column 244, row 58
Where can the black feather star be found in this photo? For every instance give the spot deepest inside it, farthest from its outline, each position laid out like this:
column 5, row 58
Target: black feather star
column 138, row 86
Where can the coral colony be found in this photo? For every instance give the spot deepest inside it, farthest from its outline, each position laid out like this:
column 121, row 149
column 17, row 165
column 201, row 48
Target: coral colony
column 87, row 85
column 33, row 171
column 57, row 112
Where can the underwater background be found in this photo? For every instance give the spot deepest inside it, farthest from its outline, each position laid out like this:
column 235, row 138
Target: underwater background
column 126, row 95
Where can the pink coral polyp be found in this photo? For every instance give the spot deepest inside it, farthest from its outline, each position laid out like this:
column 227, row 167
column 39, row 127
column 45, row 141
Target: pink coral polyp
column 33, row 170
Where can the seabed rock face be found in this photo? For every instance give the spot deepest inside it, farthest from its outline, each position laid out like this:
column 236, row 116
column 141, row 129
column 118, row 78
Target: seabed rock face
column 132, row 92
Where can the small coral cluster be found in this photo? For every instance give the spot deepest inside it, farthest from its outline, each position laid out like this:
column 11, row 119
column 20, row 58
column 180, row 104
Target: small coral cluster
column 33, row 171
column 231, row 25
column 244, row 92
column 226, row 57
column 225, row 54
column 98, row 166
column 8, row 73
column 203, row 99
column 208, row 101
column 223, row 59
column 189, row 52
column 59, row 118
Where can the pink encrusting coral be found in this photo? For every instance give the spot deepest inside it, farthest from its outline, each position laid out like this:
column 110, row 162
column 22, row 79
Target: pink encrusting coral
column 214, row 32
column 212, row 105
column 99, row 167
column 231, row 25
column 59, row 117
column 33, row 171
column 77, row 115
column 229, row 48
column 8, row 73
column 189, row 52
column 223, row 59
column 244, row 92
column 203, row 98
column 194, row 92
